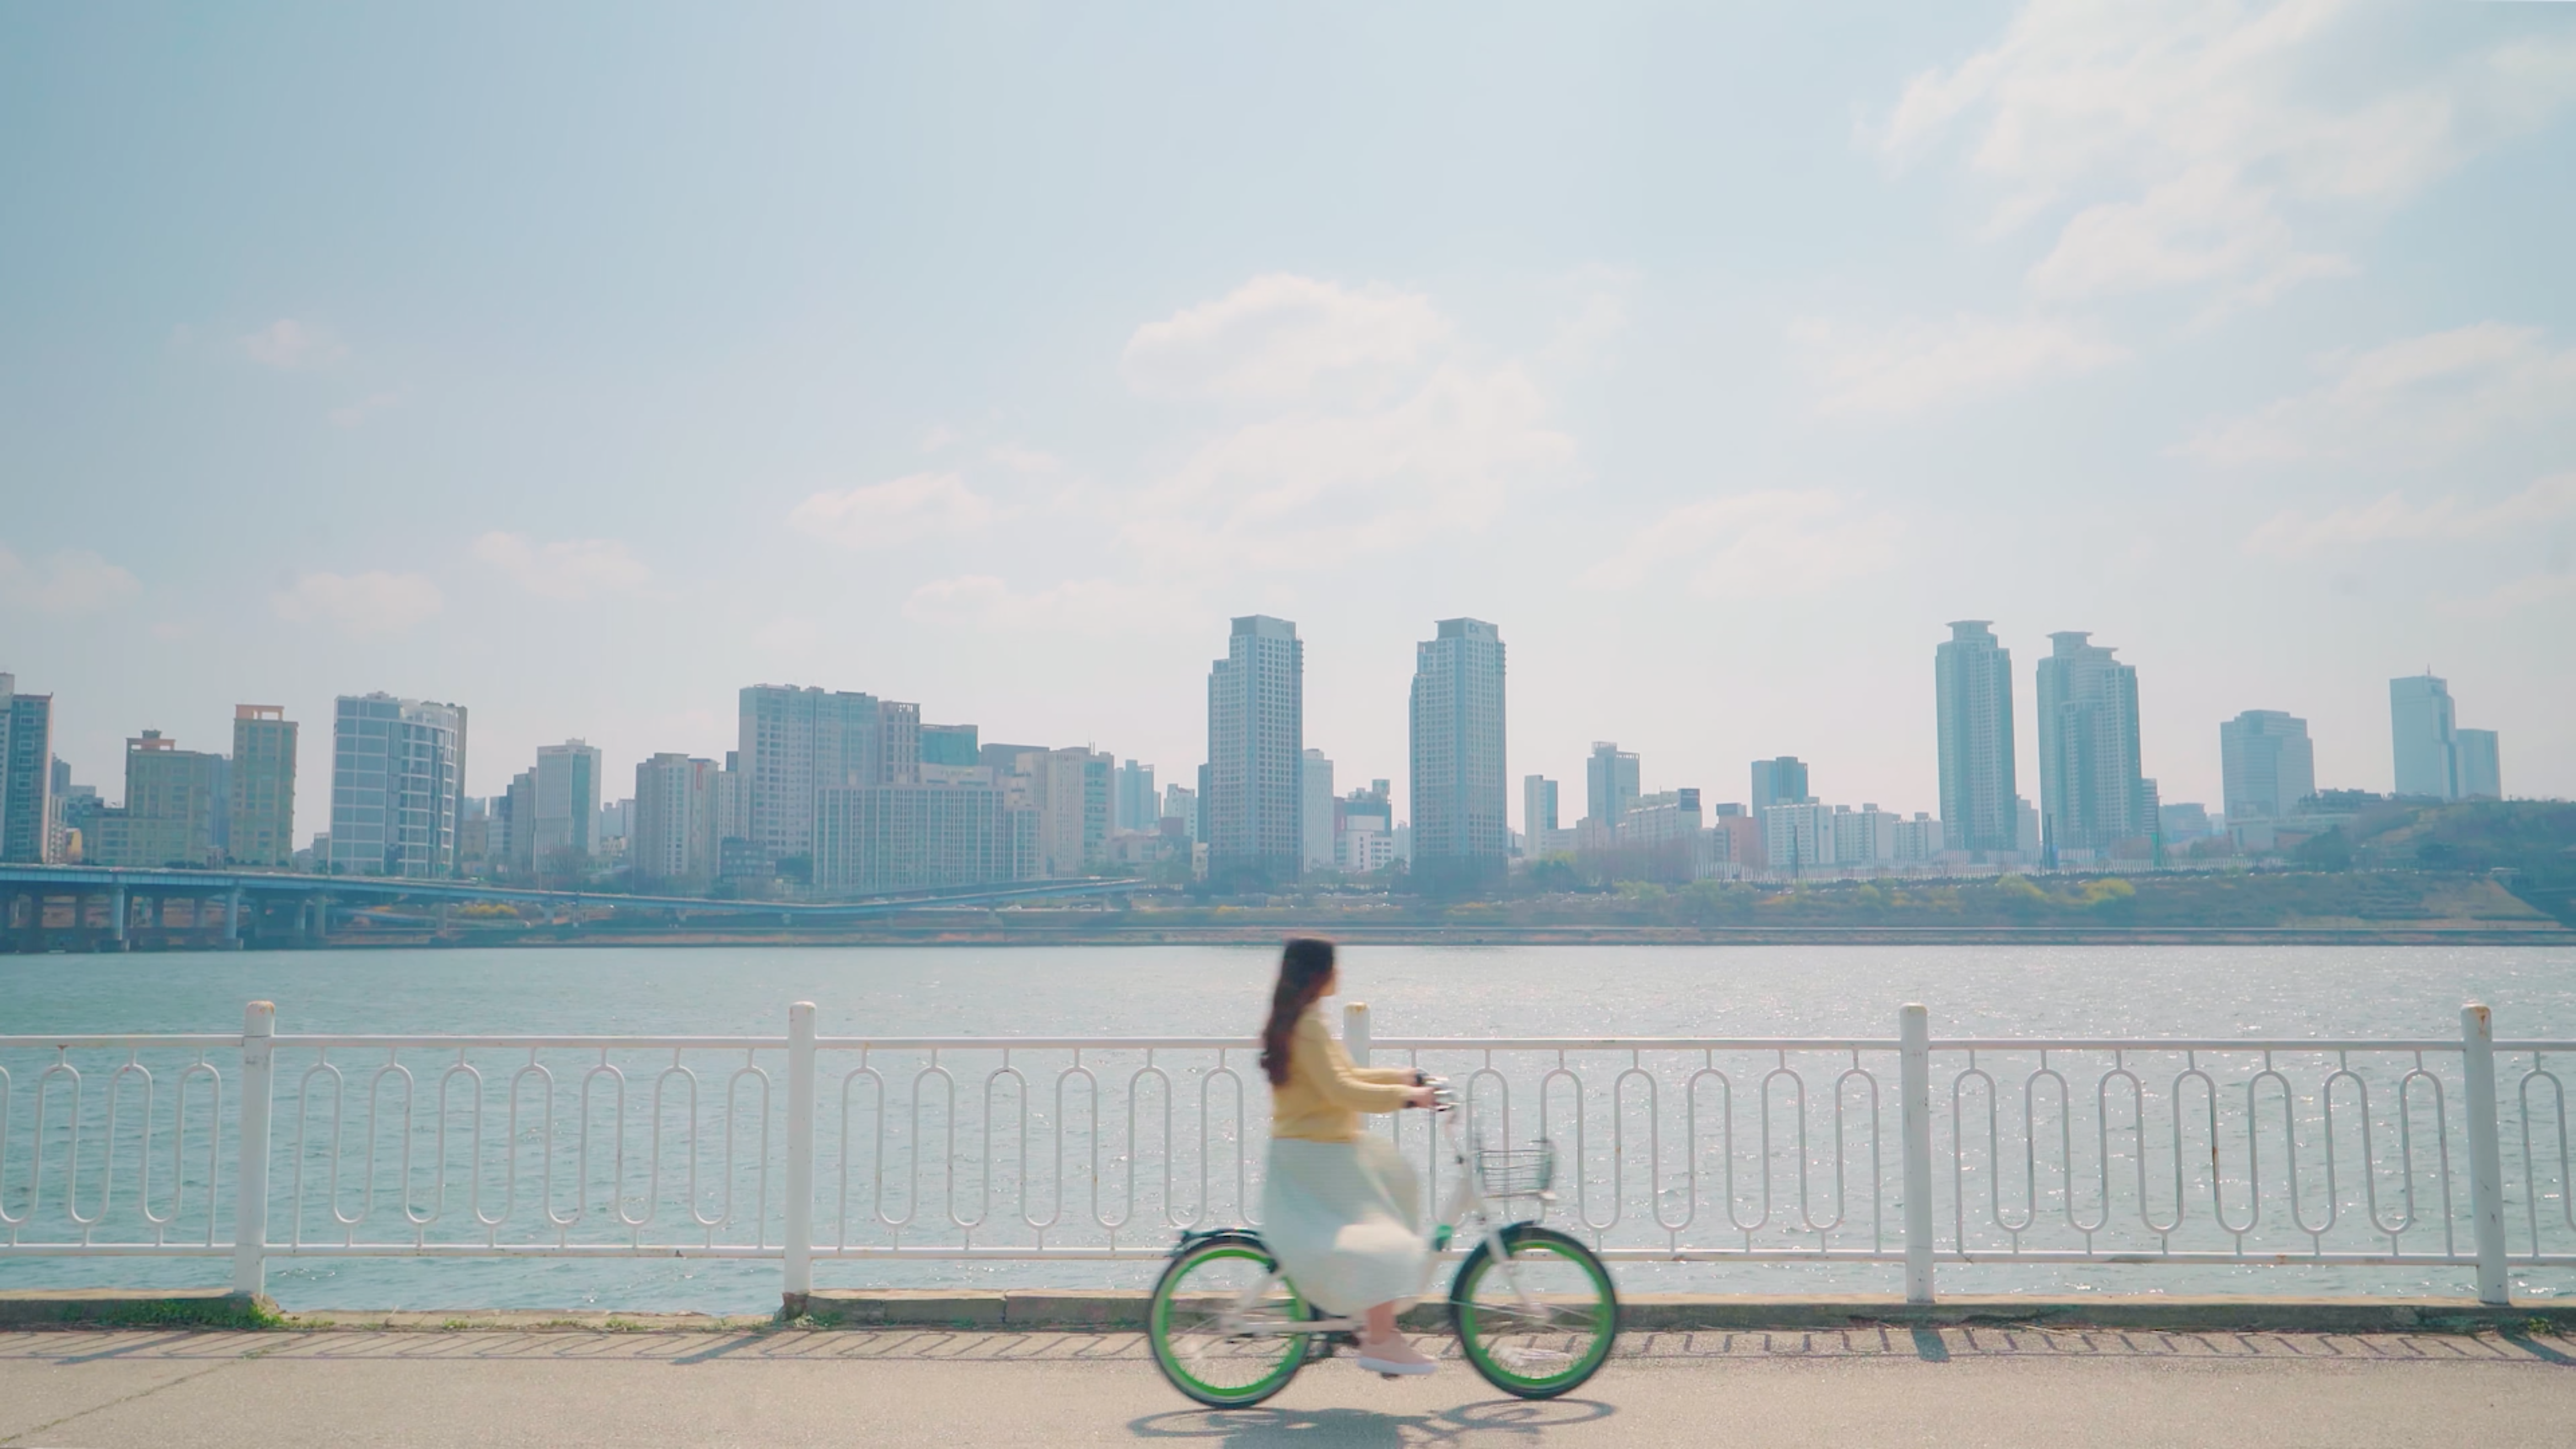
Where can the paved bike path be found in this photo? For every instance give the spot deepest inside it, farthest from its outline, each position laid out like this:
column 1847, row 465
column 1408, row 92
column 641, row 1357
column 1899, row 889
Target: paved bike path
column 902, row 1387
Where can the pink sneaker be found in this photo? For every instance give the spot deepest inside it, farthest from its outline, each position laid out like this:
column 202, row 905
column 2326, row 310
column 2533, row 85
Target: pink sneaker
column 1394, row 1357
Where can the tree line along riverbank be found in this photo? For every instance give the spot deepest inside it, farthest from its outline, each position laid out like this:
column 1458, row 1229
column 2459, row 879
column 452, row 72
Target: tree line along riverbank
column 2320, row 907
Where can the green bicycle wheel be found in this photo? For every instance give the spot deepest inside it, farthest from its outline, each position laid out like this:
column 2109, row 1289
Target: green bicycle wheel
column 1540, row 1323
column 1222, row 1322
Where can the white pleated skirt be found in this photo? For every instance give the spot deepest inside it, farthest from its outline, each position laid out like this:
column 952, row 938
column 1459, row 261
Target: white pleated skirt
column 1341, row 1217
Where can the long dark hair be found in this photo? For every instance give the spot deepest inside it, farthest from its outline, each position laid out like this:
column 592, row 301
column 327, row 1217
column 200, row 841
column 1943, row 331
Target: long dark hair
column 1305, row 969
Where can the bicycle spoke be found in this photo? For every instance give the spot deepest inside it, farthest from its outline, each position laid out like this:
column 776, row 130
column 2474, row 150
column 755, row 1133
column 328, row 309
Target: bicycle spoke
column 1222, row 1323
column 1541, row 1321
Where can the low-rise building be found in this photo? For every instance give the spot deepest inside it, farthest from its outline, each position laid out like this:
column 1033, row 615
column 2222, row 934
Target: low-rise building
column 1919, row 841
column 175, row 811
column 1735, row 841
column 1181, row 803
column 873, row 839
column 1864, row 837
column 1657, row 838
column 1799, row 837
column 1364, row 829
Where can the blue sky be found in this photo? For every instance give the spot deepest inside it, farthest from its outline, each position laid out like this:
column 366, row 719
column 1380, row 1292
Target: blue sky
column 583, row 366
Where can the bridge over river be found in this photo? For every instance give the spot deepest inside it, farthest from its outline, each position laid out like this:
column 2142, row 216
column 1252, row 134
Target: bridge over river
column 110, row 908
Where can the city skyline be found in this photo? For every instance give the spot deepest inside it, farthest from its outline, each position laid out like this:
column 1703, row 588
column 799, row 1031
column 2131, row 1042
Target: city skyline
column 872, row 720
column 989, row 415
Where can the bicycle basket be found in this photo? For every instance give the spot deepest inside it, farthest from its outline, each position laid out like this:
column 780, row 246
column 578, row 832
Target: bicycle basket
column 1516, row 1171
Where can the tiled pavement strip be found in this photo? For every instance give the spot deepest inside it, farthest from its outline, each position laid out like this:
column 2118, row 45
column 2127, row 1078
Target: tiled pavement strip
column 1954, row 1388
column 1868, row 1342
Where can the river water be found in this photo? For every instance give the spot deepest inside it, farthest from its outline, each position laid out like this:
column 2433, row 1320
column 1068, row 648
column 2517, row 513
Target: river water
column 2159, row 991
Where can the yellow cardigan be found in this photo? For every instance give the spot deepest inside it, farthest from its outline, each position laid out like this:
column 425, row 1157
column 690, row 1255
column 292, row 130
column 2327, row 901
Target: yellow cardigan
column 1325, row 1093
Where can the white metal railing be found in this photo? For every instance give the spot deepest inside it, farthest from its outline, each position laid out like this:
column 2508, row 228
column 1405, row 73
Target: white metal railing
column 1902, row 1150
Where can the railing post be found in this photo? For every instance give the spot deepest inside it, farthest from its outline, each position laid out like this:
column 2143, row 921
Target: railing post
column 250, row 1176
column 1355, row 1032
column 1914, row 1074
column 800, row 1159
column 2486, row 1166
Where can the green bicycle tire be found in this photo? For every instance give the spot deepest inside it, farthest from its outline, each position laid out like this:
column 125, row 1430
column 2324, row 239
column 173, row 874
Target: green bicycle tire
column 1593, row 1324
column 1189, row 1368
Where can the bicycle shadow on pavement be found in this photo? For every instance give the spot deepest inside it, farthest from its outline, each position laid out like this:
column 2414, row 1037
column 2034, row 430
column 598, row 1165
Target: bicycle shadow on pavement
column 1366, row 1429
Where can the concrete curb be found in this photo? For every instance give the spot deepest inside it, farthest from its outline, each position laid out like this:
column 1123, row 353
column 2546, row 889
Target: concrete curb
column 116, row 1308
column 1077, row 1310
column 1677, row 1312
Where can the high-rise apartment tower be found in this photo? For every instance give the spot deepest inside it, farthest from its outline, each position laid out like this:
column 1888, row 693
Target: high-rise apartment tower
column 2423, row 737
column 397, row 785
column 568, row 801
column 1780, row 781
column 1137, row 807
column 2481, row 773
column 26, row 775
column 2092, row 794
column 795, row 741
column 1252, row 794
column 1315, row 809
column 263, row 787
column 1538, row 815
column 672, row 836
column 1609, row 783
column 1462, row 834
column 1973, row 706
column 2266, row 765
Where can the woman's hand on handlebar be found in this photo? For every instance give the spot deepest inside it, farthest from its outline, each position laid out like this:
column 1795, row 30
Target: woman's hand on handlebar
column 1421, row 1097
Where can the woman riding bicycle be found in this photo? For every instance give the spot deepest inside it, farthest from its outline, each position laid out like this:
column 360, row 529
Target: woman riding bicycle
column 1339, row 1207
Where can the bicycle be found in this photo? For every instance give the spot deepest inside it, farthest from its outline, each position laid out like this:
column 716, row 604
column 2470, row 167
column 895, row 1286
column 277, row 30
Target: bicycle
column 1533, row 1308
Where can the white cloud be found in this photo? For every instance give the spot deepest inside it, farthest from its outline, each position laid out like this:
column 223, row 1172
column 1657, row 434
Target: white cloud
column 2196, row 142
column 292, row 346
column 2412, row 399
column 1361, row 423
column 1757, row 545
column 2292, row 534
column 1105, row 607
column 69, row 581
column 936, row 437
column 1284, row 337
column 573, row 568
column 1919, row 365
column 360, row 605
column 2202, row 227
column 887, row 515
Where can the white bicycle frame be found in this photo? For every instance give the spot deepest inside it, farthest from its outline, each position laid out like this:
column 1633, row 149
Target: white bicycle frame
column 1466, row 1202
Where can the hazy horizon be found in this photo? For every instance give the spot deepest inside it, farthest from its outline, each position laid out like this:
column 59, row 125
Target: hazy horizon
column 582, row 366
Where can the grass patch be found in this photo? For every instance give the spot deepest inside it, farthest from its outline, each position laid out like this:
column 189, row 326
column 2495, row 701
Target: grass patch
column 228, row 1312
